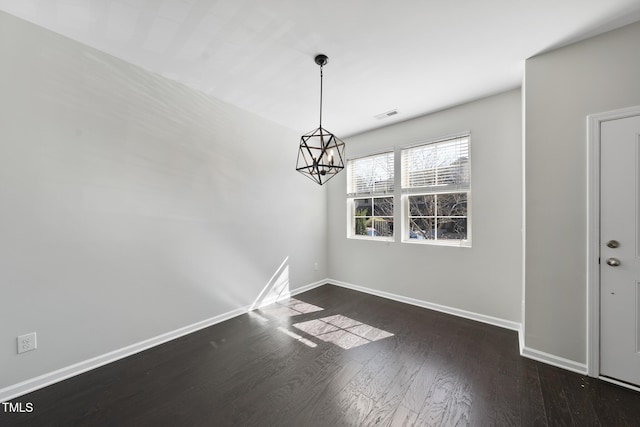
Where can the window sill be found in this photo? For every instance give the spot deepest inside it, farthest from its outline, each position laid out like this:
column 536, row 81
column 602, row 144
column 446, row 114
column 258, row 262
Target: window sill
column 373, row 239
column 450, row 243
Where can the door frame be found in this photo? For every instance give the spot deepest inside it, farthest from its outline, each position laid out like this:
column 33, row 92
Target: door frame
column 593, row 235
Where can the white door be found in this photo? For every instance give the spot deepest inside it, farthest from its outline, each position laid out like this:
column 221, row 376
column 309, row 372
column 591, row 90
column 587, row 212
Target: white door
column 620, row 249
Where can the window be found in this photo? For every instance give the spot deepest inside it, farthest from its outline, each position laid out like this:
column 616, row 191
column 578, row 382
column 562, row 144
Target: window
column 436, row 190
column 370, row 196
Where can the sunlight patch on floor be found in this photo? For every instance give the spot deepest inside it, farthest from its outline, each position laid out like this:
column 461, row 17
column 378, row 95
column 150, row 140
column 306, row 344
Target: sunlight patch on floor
column 290, row 307
column 342, row 331
column 297, row 337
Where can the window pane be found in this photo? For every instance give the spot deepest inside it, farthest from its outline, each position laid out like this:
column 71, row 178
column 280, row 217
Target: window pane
column 452, row 228
column 363, row 207
column 374, row 227
column 421, row 166
column 422, row 205
column 381, row 227
column 383, row 206
column 452, row 204
column 437, row 164
column 421, row 228
column 373, row 217
column 361, row 226
column 372, row 174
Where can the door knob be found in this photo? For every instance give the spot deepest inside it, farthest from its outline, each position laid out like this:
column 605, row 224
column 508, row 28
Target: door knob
column 613, row 262
column 613, row 244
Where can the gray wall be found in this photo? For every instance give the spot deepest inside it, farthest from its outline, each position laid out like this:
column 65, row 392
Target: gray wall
column 131, row 205
column 561, row 88
column 484, row 279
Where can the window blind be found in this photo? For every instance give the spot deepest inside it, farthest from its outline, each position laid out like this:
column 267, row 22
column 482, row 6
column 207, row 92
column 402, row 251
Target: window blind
column 370, row 175
column 441, row 166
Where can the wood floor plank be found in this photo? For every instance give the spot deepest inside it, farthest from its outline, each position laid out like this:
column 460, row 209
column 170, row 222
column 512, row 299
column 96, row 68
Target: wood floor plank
column 310, row 410
column 508, row 401
column 366, row 382
column 582, row 410
column 293, row 388
column 555, row 401
column 417, row 392
column 441, row 403
column 390, row 399
column 404, row 417
column 532, row 412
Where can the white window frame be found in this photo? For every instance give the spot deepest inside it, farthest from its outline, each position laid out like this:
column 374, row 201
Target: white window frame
column 375, row 192
column 408, row 190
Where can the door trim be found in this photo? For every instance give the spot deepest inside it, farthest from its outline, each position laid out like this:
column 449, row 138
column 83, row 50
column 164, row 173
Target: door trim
column 593, row 231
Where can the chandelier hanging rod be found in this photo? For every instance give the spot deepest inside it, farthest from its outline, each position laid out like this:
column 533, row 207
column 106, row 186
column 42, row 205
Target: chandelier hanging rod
column 321, row 60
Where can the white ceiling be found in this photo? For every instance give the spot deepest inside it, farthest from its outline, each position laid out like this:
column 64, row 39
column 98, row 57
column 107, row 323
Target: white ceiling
column 416, row 56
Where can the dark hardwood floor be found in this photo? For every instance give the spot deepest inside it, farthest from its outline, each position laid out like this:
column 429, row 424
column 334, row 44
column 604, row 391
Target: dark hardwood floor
column 333, row 357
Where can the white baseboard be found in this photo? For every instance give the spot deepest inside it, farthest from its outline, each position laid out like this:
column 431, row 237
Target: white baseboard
column 292, row 293
column 308, row 287
column 507, row 324
column 47, row 379
column 554, row 360
column 620, row 383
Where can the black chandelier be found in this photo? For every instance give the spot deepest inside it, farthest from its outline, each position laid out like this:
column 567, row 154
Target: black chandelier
column 321, row 153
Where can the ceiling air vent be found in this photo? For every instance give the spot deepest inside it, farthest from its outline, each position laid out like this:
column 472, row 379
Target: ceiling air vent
column 386, row 114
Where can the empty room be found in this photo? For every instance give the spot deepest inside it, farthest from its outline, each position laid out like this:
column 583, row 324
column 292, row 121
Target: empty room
column 339, row 213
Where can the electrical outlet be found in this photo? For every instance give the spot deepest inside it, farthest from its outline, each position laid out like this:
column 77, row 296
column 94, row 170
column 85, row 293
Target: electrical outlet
column 27, row 342
column 315, row 266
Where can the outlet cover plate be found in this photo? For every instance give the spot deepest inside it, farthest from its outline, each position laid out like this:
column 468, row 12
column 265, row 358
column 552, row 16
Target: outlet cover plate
column 27, row 342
